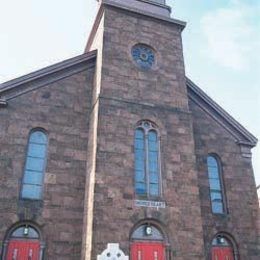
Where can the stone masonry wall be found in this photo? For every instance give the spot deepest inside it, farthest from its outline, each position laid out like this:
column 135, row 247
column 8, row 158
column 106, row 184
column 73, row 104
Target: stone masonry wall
column 165, row 84
column 115, row 214
column 62, row 109
column 241, row 221
column 128, row 95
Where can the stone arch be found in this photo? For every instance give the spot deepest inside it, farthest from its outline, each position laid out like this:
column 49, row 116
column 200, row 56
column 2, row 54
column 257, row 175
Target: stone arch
column 154, row 120
column 31, row 232
column 159, row 234
column 152, row 222
column 231, row 241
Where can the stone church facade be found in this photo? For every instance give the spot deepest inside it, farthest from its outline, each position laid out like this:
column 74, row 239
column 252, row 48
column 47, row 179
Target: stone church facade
column 117, row 145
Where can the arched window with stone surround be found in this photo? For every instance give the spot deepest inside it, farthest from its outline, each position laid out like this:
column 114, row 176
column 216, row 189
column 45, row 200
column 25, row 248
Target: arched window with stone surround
column 33, row 178
column 216, row 185
column 147, row 160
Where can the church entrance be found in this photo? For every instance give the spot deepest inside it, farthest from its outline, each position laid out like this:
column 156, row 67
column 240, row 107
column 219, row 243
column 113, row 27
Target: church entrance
column 148, row 251
column 23, row 244
column 221, row 253
column 222, row 249
column 147, row 244
column 23, row 250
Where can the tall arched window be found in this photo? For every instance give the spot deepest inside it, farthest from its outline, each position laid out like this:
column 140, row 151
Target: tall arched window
column 147, row 160
column 216, row 185
column 32, row 184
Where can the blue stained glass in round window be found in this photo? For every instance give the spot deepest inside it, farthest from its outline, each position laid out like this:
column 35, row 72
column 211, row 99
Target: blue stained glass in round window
column 143, row 56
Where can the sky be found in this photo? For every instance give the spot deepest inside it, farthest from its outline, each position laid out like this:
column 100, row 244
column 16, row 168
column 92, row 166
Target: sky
column 221, row 46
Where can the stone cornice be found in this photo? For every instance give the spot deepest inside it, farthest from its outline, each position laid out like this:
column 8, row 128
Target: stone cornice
column 111, row 3
column 146, row 13
column 46, row 71
column 45, row 76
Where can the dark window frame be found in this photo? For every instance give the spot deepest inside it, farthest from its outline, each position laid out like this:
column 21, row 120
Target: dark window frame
column 40, row 198
column 147, row 126
column 222, row 185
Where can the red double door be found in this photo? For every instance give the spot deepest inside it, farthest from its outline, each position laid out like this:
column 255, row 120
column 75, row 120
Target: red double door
column 148, row 251
column 222, row 253
column 23, row 250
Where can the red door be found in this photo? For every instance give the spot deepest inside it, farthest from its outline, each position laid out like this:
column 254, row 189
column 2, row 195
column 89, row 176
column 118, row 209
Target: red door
column 222, row 253
column 23, row 250
column 147, row 251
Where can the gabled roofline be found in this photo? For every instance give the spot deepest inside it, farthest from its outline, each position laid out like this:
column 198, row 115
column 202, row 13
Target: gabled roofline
column 235, row 128
column 12, row 84
column 242, row 136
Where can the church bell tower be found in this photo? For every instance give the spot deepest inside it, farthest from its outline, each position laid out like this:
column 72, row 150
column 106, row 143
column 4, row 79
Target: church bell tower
column 141, row 174
column 158, row 7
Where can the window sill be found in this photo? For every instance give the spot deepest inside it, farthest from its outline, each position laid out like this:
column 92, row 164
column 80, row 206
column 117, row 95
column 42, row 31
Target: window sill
column 31, row 200
column 150, row 198
column 220, row 215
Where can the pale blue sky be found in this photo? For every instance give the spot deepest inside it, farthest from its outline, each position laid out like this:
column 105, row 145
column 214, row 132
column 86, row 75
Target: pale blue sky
column 221, row 46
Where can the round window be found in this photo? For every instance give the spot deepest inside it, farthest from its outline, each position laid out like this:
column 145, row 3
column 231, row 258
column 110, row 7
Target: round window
column 143, row 56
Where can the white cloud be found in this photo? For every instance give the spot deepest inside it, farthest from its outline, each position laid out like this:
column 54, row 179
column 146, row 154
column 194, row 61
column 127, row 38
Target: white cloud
column 232, row 35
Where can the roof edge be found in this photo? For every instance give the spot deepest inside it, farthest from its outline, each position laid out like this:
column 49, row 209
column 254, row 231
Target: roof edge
column 11, row 84
column 180, row 23
column 252, row 140
column 110, row 3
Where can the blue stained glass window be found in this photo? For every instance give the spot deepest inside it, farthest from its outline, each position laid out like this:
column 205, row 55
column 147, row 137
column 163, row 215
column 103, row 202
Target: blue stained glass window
column 217, row 207
column 212, row 162
column 152, row 136
column 213, row 174
column 154, row 178
column 214, row 184
column 215, row 195
column 143, row 56
column 154, row 189
column 216, row 190
column 34, row 163
column 35, row 166
column 33, row 177
column 36, row 150
column 139, row 162
column 153, row 167
column 31, row 191
column 38, row 137
column 140, row 188
column 147, row 174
